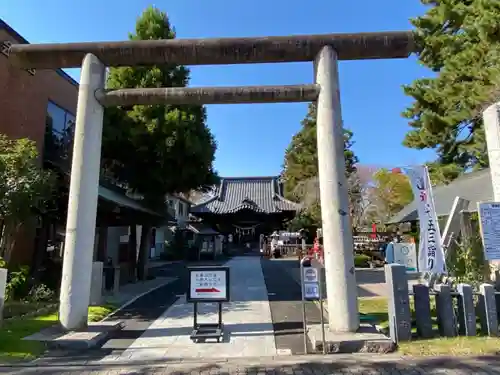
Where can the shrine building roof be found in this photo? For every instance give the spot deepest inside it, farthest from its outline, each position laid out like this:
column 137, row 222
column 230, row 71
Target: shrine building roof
column 259, row 194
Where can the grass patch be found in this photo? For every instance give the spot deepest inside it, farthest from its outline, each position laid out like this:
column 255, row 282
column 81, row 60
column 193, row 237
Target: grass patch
column 375, row 308
column 452, row 346
column 17, row 308
column 97, row 313
column 13, row 348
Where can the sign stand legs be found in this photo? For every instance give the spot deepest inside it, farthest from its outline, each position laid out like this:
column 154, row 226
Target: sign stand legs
column 312, row 290
column 207, row 330
column 322, row 315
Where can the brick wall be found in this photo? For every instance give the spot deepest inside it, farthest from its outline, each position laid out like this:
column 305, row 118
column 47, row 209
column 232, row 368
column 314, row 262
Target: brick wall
column 23, row 106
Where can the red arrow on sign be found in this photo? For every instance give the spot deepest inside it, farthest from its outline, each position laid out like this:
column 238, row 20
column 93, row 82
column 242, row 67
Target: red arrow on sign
column 207, row 290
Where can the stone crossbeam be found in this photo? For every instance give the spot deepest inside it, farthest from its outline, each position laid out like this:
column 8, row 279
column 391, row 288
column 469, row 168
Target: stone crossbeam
column 216, row 51
column 209, row 95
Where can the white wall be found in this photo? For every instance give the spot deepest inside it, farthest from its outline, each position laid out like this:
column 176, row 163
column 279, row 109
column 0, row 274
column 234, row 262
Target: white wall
column 181, row 214
column 113, row 243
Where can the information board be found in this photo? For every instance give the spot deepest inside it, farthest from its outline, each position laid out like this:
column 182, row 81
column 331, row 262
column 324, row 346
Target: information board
column 489, row 220
column 208, row 284
column 406, row 255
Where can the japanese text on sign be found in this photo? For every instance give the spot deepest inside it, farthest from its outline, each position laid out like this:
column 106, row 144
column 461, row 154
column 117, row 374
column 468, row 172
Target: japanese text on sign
column 311, row 291
column 208, row 284
column 489, row 216
column 431, row 254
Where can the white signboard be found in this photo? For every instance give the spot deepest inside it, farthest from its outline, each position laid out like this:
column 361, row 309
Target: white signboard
column 489, row 217
column 310, row 275
column 208, row 285
column 431, row 254
column 311, row 291
column 406, row 255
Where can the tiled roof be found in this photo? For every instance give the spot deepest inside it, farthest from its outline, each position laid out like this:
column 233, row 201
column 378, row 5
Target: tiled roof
column 201, row 229
column 474, row 187
column 260, row 194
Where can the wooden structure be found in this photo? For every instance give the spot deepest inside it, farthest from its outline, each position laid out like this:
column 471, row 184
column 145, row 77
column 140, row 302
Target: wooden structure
column 247, row 207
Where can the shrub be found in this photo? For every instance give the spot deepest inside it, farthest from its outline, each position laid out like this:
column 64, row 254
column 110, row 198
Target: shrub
column 41, row 293
column 17, row 284
column 362, row 261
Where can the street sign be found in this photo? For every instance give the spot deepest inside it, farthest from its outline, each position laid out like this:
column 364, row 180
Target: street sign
column 208, row 284
column 310, row 281
column 311, row 291
column 310, row 275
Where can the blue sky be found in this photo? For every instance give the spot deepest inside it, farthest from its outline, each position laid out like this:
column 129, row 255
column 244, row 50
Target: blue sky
column 252, row 138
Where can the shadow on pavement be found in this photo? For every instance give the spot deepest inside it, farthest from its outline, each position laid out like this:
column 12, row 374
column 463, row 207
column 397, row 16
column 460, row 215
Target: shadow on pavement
column 314, row 364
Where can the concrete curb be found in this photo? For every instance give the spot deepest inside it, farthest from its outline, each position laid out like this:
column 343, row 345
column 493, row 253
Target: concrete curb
column 383, row 346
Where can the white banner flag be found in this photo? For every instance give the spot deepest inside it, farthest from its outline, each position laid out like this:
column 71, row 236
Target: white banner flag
column 430, row 254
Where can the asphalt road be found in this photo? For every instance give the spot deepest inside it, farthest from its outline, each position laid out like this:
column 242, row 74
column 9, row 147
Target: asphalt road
column 285, row 296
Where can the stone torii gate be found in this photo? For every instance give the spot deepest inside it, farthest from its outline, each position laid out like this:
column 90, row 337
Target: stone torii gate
column 323, row 50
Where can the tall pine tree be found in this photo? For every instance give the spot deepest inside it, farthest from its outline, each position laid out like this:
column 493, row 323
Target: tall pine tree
column 300, row 170
column 460, row 41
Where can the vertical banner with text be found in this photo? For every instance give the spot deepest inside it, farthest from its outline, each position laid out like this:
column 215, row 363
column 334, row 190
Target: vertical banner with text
column 430, row 254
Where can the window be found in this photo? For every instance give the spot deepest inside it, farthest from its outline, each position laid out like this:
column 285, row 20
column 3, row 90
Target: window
column 181, row 209
column 59, row 130
column 56, row 117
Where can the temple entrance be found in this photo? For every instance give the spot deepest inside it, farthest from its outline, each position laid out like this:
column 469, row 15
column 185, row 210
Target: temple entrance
column 245, row 208
column 323, row 50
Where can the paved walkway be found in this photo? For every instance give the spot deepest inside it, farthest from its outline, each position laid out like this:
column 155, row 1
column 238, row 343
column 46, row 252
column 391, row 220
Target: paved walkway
column 299, row 365
column 247, row 323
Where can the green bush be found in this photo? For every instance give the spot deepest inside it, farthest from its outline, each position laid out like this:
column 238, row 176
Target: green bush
column 17, row 283
column 41, row 293
column 362, row 261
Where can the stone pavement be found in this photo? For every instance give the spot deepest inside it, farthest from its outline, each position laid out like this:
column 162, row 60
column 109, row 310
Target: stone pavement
column 362, row 364
column 247, row 323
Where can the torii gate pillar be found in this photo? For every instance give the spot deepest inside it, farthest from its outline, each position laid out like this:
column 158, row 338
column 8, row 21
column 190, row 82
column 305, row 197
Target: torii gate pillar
column 337, row 233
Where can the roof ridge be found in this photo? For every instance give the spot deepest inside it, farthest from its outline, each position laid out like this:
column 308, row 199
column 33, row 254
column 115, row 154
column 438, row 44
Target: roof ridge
column 280, row 197
column 249, row 178
column 221, row 186
column 205, row 201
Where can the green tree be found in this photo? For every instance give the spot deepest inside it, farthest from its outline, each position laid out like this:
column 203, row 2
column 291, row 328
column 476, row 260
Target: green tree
column 460, row 41
column 25, row 189
column 301, row 156
column 389, row 194
column 156, row 149
column 443, row 174
column 300, row 171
